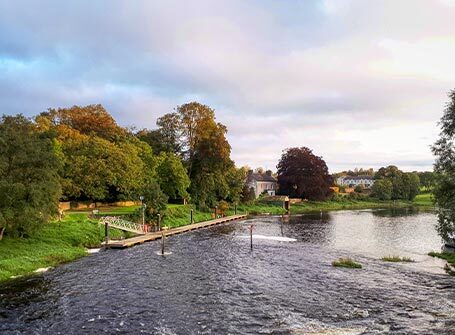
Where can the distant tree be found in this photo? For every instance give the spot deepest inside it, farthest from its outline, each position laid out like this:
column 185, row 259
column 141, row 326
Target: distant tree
column 304, row 175
column 29, row 181
column 172, row 177
column 405, row 185
column 414, row 185
column 382, row 189
column 247, row 195
column 444, row 187
column 155, row 201
column 167, row 137
column 91, row 120
column 235, row 179
column 358, row 189
column 427, row 179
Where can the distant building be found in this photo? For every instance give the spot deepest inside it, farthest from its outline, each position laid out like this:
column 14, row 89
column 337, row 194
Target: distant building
column 261, row 182
column 365, row 181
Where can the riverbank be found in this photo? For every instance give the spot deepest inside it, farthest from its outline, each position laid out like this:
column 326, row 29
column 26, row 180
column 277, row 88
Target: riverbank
column 67, row 240
column 422, row 201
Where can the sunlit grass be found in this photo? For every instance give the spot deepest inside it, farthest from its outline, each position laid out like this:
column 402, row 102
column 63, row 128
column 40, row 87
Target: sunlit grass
column 346, row 263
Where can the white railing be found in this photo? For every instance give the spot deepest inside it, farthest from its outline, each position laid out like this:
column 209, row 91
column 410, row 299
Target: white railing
column 116, row 222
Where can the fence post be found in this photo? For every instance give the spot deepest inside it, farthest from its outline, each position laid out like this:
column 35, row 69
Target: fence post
column 159, row 222
column 191, row 217
column 216, row 207
column 235, row 209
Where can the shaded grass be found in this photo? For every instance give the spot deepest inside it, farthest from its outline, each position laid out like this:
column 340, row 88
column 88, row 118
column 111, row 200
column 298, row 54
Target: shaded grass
column 346, row 263
column 449, row 257
column 396, row 259
column 56, row 243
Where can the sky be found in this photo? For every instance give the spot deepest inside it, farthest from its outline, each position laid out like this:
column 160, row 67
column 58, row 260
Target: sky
column 361, row 83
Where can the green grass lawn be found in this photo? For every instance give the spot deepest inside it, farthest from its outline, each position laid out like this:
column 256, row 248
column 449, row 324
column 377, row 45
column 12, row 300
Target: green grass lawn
column 424, row 199
column 56, row 243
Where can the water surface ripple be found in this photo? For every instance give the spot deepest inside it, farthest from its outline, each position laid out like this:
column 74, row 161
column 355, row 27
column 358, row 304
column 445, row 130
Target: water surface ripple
column 212, row 283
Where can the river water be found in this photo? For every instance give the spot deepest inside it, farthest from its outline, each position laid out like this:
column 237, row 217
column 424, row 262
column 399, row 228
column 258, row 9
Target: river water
column 211, row 283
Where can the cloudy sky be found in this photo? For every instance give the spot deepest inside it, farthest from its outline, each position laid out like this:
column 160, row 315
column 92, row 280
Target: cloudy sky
column 362, row 83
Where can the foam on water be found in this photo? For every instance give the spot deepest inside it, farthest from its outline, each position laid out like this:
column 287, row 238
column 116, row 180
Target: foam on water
column 271, row 238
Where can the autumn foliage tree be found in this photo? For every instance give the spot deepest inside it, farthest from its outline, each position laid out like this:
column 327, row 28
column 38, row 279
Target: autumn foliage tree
column 302, row 174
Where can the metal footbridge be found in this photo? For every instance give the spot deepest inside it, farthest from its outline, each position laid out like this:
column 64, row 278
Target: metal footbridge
column 116, row 222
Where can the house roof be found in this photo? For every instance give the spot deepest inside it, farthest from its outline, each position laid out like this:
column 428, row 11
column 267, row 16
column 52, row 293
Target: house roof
column 358, row 177
column 260, row 177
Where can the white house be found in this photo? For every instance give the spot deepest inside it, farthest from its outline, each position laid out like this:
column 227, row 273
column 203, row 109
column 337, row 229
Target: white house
column 261, row 182
column 365, row 181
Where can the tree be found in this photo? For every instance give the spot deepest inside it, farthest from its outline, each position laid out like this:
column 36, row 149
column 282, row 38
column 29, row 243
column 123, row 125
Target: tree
column 427, row 179
column 405, row 185
column 382, row 189
column 171, row 176
column 444, row 188
column 303, row 174
column 29, row 182
column 88, row 120
column 206, row 153
column 167, row 137
column 358, row 189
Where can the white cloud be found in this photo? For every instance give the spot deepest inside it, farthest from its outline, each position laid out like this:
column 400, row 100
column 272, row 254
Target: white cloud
column 362, row 83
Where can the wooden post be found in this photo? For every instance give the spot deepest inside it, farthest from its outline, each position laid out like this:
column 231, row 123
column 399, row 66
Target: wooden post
column 106, row 233
column 235, row 209
column 216, row 207
column 163, row 236
column 159, row 222
column 191, row 222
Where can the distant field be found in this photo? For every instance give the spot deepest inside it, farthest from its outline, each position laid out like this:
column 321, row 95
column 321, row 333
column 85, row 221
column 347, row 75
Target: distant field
column 424, row 199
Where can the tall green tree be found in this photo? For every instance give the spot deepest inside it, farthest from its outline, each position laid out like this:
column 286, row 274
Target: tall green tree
column 29, row 181
column 172, row 176
column 167, row 138
column 444, row 188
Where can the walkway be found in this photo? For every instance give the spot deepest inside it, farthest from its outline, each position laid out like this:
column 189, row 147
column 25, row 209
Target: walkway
column 129, row 242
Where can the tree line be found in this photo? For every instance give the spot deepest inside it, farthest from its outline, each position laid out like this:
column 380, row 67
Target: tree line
column 82, row 154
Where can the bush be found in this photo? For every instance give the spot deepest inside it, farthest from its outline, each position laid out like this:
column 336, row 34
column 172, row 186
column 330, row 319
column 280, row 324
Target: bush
column 382, row 189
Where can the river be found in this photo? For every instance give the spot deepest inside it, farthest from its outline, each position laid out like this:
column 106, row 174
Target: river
column 212, row 283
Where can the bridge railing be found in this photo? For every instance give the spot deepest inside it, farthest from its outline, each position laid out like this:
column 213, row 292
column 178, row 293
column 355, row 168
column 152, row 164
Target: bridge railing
column 116, row 222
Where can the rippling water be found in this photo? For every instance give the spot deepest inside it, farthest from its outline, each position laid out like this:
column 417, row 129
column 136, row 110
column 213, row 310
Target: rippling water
column 212, row 283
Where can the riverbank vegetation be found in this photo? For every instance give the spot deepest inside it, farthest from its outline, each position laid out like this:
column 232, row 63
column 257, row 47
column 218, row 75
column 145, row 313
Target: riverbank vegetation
column 444, row 188
column 346, row 263
column 55, row 243
column 397, row 259
column 449, row 257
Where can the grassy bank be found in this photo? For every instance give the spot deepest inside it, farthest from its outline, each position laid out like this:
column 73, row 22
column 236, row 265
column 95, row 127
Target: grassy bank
column 421, row 201
column 56, row 243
